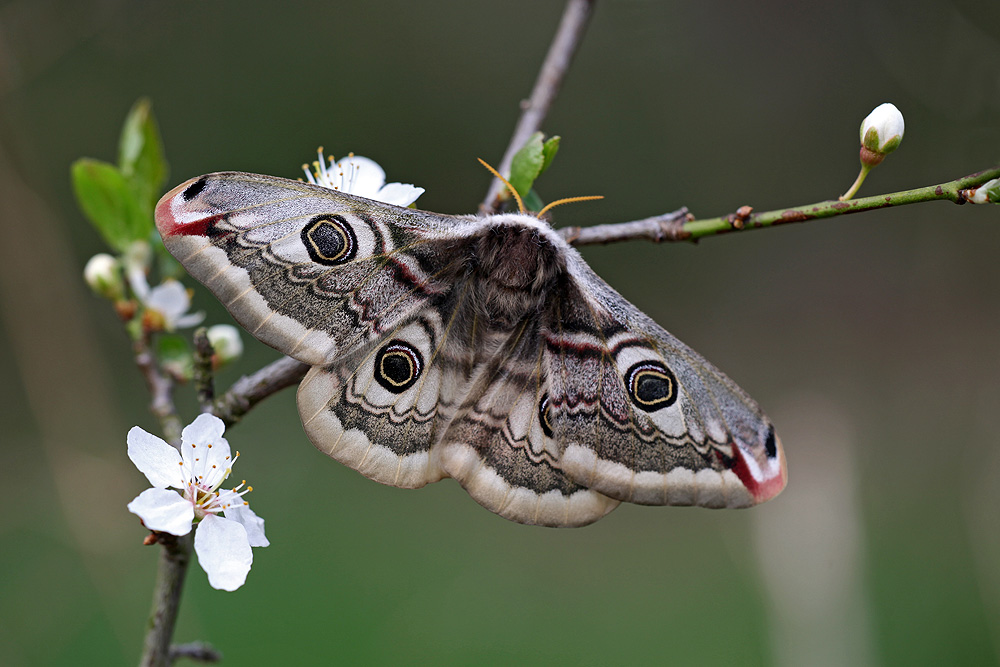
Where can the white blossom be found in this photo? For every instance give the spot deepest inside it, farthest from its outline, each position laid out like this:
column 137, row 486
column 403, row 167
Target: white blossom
column 361, row 176
column 170, row 300
column 197, row 471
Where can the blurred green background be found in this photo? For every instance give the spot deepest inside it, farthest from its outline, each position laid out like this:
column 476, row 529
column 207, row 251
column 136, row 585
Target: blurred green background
column 870, row 340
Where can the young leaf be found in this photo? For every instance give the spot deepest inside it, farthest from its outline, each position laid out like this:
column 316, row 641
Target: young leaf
column 140, row 156
column 175, row 356
column 549, row 150
column 109, row 203
column 533, row 202
column 527, row 164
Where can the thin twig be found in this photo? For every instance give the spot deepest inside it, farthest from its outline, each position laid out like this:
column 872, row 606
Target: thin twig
column 204, row 377
column 174, row 558
column 677, row 226
column 176, row 552
column 161, row 391
column 250, row 390
column 574, row 21
column 659, row 228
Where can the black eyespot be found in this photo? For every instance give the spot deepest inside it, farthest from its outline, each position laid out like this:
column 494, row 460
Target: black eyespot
column 651, row 386
column 397, row 366
column 193, row 190
column 770, row 445
column 330, row 240
column 545, row 415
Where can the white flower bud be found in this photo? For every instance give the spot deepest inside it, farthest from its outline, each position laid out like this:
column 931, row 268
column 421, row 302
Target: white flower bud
column 987, row 193
column 226, row 342
column 881, row 133
column 103, row 274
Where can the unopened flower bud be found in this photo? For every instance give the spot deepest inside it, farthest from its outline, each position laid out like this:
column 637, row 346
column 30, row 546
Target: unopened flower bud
column 987, row 193
column 103, row 274
column 881, row 133
column 226, row 342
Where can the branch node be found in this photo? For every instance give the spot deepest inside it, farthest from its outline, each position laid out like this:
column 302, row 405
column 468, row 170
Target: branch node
column 739, row 219
column 198, row 651
column 671, row 226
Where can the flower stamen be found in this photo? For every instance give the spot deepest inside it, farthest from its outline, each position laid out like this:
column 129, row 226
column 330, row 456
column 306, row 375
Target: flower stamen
column 358, row 176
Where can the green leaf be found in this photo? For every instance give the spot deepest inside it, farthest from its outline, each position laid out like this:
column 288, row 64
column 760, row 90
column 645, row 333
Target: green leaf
column 175, row 356
column 533, row 202
column 109, row 203
column 141, row 158
column 549, row 150
column 527, row 164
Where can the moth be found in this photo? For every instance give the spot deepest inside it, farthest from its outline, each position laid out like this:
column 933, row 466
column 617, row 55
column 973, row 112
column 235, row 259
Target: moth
column 481, row 348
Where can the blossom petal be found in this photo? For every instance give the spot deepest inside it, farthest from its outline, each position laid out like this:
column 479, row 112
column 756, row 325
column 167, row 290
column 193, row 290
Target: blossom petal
column 361, row 176
column 204, row 430
column 163, row 510
column 169, row 298
column 253, row 524
column 399, row 194
column 206, row 453
column 189, row 320
column 223, row 551
column 155, row 459
column 137, row 281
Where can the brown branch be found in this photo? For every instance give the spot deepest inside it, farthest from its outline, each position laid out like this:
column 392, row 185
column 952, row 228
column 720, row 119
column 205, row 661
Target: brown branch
column 574, row 21
column 204, row 377
column 161, row 391
column 659, row 228
column 174, row 558
column 250, row 390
